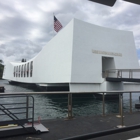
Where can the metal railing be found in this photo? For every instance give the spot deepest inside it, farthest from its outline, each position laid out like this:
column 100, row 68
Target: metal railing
column 15, row 109
column 70, row 100
column 70, row 106
column 122, row 73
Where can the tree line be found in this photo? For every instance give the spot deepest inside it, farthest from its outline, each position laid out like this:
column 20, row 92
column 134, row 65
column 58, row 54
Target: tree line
column 1, row 68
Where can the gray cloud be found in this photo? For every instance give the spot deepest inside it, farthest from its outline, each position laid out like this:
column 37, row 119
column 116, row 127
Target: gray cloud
column 27, row 26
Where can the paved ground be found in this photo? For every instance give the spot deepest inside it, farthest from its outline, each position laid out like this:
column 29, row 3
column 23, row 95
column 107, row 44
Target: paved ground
column 60, row 128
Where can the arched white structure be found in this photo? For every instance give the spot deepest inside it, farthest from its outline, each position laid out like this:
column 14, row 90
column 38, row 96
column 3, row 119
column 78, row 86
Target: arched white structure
column 78, row 55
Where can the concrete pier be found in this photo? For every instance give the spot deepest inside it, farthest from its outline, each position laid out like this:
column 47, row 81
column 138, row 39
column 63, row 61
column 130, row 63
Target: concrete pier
column 61, row 128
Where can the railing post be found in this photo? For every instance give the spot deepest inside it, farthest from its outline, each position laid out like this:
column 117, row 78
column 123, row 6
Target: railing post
column 27, row 106
column 130, row 102
column 121, row 105
column 106, row 73
column 70, row 106
column 122, row 123
column 103, row 104
column 119, row 115
column 118, row 73
column 130, row 73
column 32, row 110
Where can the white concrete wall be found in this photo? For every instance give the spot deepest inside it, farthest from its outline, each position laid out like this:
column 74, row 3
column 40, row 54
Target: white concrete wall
column 131, row 86
column 53, row 64
column 69, row 57
column 81, row 87
column 114, row 86
column 86, row 65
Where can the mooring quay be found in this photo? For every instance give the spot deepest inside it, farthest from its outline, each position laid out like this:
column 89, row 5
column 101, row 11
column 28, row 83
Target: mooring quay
column 121, row 126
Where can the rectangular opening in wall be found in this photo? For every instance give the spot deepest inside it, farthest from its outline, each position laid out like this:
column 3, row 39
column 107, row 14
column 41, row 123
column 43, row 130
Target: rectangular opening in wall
column 107, row 63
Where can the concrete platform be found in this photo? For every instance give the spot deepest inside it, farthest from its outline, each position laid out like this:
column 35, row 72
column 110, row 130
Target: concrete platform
column 60, row 128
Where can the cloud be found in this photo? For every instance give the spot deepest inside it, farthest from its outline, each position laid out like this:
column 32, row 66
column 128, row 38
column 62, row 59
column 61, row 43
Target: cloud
column 26, row 26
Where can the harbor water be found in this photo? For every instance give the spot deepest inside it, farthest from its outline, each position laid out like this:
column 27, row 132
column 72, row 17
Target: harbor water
column 52, row 107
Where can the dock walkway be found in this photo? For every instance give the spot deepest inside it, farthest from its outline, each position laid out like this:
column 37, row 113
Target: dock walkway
column 61, row 128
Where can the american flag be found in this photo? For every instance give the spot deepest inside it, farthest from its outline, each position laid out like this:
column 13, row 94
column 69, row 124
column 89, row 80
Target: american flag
column 57, row 24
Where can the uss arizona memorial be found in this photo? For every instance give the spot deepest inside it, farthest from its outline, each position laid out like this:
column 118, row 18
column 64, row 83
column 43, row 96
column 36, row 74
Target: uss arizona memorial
column 81, row 57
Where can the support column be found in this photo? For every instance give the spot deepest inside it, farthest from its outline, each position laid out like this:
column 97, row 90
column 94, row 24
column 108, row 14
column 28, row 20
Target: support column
column 119, row 115
column 70, row 106
column 121, row 111
column 27, row 107
column 103, row 104
column 130, row 102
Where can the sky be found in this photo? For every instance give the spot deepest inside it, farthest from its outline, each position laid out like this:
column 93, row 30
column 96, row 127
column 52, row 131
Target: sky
column 27, row 25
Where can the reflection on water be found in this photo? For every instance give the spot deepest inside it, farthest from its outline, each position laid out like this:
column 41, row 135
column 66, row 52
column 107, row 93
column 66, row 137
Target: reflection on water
column 48, row 107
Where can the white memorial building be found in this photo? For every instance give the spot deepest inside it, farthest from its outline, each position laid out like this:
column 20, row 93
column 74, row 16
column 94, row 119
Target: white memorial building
column 78, row 57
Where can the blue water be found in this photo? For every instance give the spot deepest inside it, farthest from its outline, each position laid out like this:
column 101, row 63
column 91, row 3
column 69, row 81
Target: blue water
column 56, row 107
